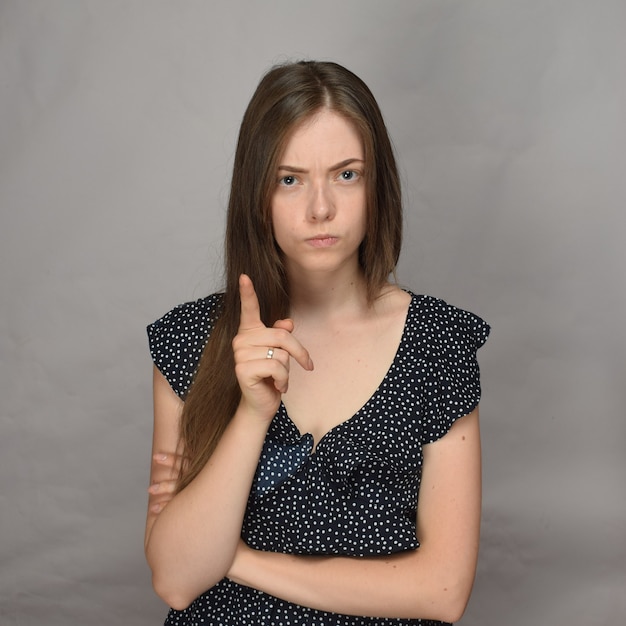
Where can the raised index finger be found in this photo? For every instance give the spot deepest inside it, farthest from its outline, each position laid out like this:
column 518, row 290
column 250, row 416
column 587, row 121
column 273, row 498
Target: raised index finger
column 250, row 310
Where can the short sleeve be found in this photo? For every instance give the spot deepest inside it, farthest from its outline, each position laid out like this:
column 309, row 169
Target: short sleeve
column 177, row 340
column 451, row 384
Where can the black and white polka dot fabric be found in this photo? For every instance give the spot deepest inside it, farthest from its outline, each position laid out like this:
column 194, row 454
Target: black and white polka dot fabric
column 357, row 493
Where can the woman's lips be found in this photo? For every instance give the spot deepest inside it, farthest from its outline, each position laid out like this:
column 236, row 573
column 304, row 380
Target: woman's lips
column 323, row 241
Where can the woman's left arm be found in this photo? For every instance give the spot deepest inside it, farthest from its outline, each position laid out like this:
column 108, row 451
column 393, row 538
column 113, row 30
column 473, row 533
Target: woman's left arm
column 432, row 582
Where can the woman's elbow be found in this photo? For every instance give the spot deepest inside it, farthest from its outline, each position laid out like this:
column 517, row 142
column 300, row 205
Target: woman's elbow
column 174, row 596
column 453, row 601
column 180, row 590
column 178, row 583
column 453, row 611
column 444, row 598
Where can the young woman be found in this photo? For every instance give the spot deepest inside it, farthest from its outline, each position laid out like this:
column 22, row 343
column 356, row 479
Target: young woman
column 301, row 414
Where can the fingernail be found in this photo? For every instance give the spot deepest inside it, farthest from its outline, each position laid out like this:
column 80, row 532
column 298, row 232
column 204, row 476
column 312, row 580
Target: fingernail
column 160, row 457
column 310, row 363
column 156, row 508
column 154, row 488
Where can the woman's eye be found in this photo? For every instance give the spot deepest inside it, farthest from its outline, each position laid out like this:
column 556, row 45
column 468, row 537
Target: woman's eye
column 288, row 181
column 348, row 175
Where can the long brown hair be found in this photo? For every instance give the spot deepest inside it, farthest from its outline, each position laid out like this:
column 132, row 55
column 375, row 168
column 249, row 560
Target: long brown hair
column 286, row 96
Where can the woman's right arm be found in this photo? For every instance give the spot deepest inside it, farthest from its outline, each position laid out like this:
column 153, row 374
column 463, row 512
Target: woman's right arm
column 191, row 542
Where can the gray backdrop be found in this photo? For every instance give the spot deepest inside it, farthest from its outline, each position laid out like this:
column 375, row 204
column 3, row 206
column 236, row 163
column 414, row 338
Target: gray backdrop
column 117, row 128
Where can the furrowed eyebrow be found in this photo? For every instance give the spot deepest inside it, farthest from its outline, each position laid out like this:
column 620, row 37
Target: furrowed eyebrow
column 345, row 163
column 301, row 170
column 292, row 168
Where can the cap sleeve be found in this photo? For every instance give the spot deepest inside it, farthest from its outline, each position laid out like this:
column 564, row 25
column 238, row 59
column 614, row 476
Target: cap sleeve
column 451, row 387
column 177, row 340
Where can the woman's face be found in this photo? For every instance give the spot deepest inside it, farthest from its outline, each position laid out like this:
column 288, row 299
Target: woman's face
column 319, row 202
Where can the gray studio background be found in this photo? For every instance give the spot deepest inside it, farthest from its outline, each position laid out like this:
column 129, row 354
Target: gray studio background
column 117, row 129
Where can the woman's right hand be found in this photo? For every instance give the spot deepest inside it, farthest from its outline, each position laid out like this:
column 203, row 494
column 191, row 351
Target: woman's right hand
column 262, row 355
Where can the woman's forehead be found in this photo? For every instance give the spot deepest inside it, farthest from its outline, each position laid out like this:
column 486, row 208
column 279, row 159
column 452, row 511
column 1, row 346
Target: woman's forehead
column 326, row 135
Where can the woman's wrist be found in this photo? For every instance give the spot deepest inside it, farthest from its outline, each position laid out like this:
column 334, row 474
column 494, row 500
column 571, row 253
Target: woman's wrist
column 242, row 565
column 247, row 422
column 249, row 412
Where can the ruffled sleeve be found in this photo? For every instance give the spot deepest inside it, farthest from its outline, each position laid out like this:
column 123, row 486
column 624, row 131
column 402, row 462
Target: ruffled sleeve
column 451, row 383
column 177, row 340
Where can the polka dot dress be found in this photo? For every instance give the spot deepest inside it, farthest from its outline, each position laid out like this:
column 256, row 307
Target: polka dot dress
column 357, row 493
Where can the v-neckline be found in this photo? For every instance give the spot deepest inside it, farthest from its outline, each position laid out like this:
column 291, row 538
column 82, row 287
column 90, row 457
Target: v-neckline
column 282, row 409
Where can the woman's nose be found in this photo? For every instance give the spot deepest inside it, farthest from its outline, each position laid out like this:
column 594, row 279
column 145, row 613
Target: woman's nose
column 321, row 205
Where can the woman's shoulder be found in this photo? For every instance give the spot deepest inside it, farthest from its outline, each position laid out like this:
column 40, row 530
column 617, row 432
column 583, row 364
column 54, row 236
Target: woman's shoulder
column 440, row 356
column 435, row 322
column 177, row 339
column 183, row 318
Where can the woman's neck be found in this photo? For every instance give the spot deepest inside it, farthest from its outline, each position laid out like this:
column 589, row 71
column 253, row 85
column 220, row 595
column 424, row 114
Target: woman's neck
column 329, row 296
